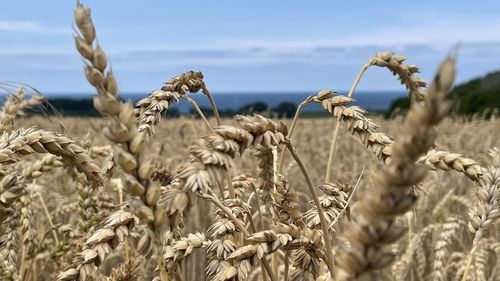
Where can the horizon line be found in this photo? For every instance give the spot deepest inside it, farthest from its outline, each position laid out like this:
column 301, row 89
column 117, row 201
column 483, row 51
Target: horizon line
column 238, row 92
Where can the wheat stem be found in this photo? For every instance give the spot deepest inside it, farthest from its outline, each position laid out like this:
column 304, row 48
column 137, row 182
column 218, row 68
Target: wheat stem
column 47, row 214
column 198, row 110
column 287, row 266
column 254, row 230
column 468, row 265
column 281, row 160
column 33, row 259
column 324, row 226
column 333, row 144
column 212, row 102
column 259, row 211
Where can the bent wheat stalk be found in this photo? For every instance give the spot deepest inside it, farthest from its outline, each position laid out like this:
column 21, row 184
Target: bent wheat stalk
column 406, row 74
column 322, row 95
column 324, row 223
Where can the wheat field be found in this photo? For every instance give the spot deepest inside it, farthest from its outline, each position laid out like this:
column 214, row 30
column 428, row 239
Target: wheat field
column 134, row 195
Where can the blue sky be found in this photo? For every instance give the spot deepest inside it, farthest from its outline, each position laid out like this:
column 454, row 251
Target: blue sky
column 246, row 46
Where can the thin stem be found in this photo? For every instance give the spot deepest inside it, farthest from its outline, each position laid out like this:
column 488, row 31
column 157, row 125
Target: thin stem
column 221, row 188
column 159, row 259
column 120, row 198
column 212, row 102
column 358, row 78
column 252, row 224
column 268, row 269
column 274, row 262
column 22, row 268
column 254, row 230
column 163, row 272
column 290, row 132
column 226, row 210
column 47, row 214
column 198, row 110
column 232, row 193
column 287, row 265
column 259, row 211
column 32, row 262
column 321, row 214
column 274, row 257
column 468, row 266
column 475, row 245
column 180, row 273
column 331, row 154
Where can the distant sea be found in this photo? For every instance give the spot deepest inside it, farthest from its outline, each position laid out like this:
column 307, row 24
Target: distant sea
column 369, row 100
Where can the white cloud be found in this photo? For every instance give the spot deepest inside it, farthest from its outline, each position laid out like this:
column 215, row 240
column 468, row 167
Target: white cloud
column 29, row 27
column 141, row 60
column 437, row 33
column 424, row 38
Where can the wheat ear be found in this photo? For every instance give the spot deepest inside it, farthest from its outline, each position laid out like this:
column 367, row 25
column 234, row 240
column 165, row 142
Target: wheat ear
column 100, row 75
column 28, row 141
column 183, row 247
column 99, row 245
column 160, row 100
column 381, row 144
column 10, row 245
column 446, row 161
column 487, row 209
column 281, row 237
column 213, row 155
column 127, row 271
column 441, row 249
column 14, row 106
